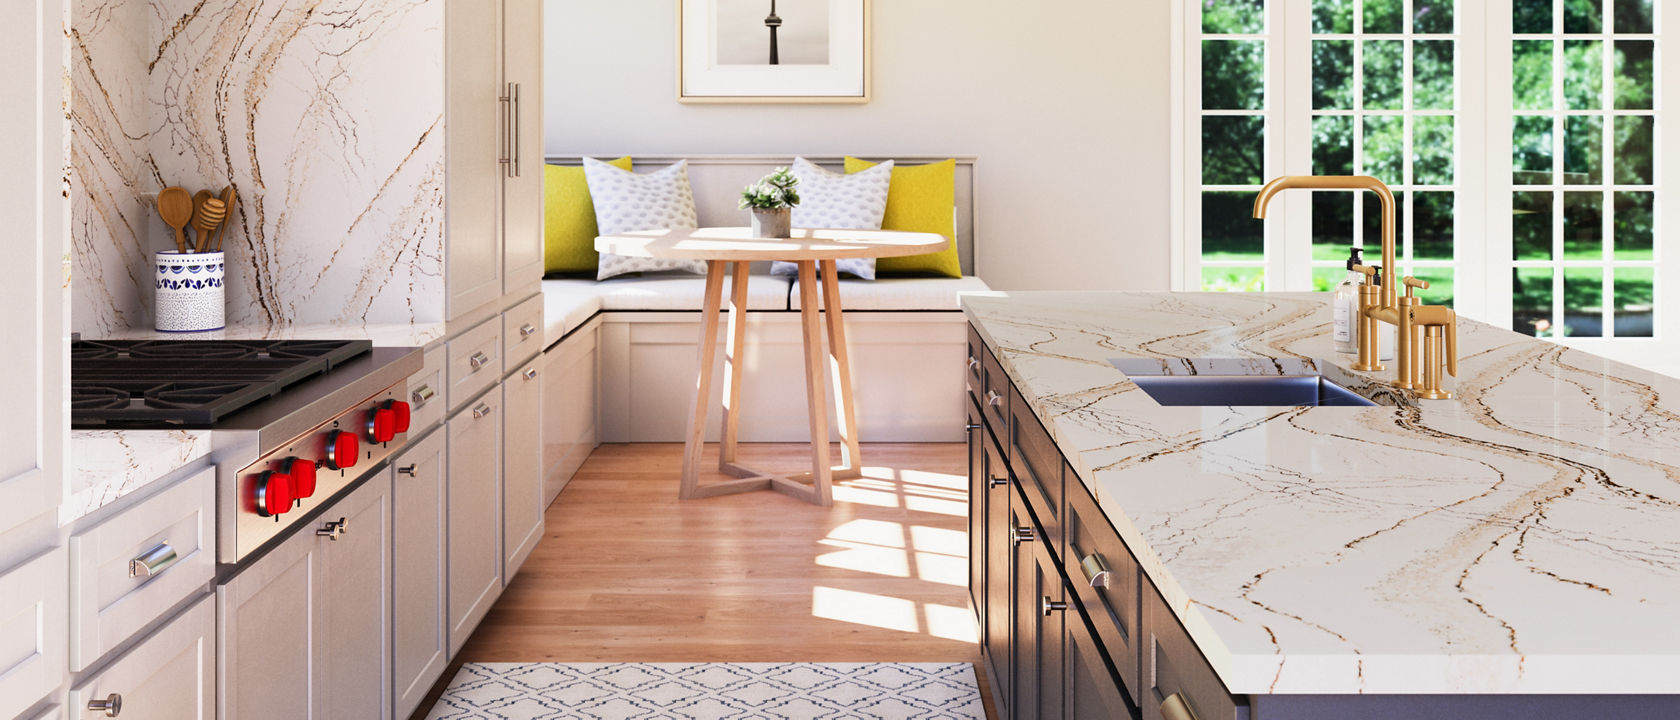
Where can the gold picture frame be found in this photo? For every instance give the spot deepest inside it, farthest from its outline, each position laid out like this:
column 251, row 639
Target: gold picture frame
column 846, row 79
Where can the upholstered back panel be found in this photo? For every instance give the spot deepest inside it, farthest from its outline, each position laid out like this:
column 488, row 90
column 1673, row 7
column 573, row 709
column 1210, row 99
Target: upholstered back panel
column 718, row 179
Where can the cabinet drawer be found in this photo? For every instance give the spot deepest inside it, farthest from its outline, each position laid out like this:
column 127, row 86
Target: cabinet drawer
column 974, row 371
column 168, row 676
column 127, row 571
column 1104, row 577
column 522, row 332
column 31, row 631
column 1175, row 673
column 1093, row 691
column 994, row 397
column 1037, row 466
column 475, row 361
column 428, row 391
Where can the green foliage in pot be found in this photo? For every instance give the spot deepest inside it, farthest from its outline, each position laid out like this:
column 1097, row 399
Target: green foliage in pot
column 772, row 192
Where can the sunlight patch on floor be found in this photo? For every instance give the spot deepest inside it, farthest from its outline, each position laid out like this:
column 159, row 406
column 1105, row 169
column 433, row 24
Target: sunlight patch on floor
column 864, row 609
column 866, row 558
column 951, row 623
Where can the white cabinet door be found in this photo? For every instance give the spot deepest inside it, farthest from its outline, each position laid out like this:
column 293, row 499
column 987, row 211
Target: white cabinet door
column 475, row 510
column 568, row 403
column 266, row 618
column 33, row 630
column 33, row 428
column 419, row 624
column 522, row 193
column 167, row 676
column 522, row 487
column 473, row 122
column 355, row 633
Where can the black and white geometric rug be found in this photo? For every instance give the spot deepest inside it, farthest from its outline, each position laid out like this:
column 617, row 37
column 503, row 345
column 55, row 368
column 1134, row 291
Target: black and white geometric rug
column 711, row 691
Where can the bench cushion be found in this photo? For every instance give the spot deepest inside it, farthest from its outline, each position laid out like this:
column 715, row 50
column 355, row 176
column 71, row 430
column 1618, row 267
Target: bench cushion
column 566, row 308
column 671, row 292
column 903, row 293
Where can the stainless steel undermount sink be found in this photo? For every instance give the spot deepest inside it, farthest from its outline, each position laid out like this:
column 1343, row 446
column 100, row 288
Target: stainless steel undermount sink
column 1201, row 390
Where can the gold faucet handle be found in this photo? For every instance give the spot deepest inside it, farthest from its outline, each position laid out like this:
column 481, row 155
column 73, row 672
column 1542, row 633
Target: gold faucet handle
column 1369, row 271
column 1441, row 316
column 1412, row 283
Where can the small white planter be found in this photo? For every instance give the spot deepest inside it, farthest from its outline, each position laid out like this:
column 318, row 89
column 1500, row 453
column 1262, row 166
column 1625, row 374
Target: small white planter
column 776, row 223
column 190, row 293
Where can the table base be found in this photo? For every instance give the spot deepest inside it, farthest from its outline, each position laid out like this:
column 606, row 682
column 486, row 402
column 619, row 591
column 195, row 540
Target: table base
column 816, row 486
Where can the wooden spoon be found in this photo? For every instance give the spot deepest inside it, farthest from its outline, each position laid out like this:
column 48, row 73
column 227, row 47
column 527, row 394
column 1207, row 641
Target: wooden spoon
column 198, row 206
column 176, row 208
column 229, row 196
column 207, row 219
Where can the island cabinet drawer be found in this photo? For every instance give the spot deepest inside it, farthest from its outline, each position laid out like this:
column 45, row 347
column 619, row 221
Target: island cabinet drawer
column 1037, row 466
column 1105, row 580
column 1178, row 682
column 522, row 327
column 994, row 395
column 974, row 371
column 427, row 391
column 168, row 676
column 475, row 361
column 128, row 571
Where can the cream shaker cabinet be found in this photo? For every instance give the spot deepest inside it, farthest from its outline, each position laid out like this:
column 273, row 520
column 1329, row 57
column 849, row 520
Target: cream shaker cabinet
column 475, row 510
column 168, row 676
column 419, row 621
column 522, row 486
column 493, row 130
column 304, row 629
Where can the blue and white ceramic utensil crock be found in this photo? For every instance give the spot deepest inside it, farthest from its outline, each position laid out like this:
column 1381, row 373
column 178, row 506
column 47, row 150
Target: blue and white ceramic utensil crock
column 190, row 295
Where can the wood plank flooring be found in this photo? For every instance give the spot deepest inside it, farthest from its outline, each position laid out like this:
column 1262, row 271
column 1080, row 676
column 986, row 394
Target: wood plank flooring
column 628, row 573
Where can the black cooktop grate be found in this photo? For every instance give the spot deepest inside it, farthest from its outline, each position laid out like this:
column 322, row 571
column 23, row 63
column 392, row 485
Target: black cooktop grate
column 189, row 383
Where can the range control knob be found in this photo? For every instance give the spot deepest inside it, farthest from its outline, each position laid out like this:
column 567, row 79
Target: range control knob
column 342, row 448
column 381, row 425
column 303, row 476
column 400, row 413
column 272, row 493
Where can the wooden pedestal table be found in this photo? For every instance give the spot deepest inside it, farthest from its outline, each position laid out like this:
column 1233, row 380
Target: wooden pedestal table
column 722, row 248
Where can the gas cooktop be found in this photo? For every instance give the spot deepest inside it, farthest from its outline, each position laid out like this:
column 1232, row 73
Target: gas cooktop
column 189, row 383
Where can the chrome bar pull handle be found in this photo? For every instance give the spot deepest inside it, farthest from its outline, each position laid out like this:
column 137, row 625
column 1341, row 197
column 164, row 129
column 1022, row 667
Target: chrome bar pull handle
column 993, row 399
column 1176, row 708
column 481, row 411
column 153, row 562
column 973, row 363
column 527, row 330
column 478, row 360
column 531, row 374
column 1095, row 570
column 422, row 395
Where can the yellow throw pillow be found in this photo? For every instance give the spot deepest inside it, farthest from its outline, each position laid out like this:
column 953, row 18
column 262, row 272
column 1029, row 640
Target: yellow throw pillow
column 569, row 228
column 920, row 198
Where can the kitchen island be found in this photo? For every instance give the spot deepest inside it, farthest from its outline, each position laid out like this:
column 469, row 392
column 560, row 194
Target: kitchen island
column 1489, row 555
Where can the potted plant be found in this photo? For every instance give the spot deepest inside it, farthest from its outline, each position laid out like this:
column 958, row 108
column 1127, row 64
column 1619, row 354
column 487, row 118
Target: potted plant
column 771, row 201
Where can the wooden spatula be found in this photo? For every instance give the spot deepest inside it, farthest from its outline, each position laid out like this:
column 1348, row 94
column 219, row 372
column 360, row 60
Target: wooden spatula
column 176, row 208
column 229, row 197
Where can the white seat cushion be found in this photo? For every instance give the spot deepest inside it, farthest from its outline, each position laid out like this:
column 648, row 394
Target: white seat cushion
column 902, row 293
column 669, row 292
column 566, row 307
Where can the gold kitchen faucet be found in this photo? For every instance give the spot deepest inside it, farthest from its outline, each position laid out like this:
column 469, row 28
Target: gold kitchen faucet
column 1383, row 304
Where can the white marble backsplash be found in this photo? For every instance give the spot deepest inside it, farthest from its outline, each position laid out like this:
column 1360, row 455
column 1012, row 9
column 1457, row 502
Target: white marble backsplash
column 326, row 115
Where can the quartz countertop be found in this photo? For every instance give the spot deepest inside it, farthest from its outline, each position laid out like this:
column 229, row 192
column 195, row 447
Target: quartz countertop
column 1523, row 537
column 109, row 465
column 383, row 335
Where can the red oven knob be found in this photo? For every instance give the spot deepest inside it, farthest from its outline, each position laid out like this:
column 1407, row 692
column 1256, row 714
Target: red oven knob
column 303, row 476
column 399, row 411
column 272, row 493
column 382, row 425
column 342, row 448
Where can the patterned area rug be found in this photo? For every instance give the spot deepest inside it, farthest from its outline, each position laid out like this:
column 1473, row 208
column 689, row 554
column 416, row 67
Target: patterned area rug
column 685, row 691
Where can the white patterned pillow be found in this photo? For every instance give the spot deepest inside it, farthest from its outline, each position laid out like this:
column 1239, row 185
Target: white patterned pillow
column 840, row 202
column 627, row 202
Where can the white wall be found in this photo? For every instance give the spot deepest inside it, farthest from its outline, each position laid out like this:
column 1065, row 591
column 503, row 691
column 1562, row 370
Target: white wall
column 1066, row 104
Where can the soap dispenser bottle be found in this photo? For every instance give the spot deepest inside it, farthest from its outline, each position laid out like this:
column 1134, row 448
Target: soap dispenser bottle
column 1344, row 306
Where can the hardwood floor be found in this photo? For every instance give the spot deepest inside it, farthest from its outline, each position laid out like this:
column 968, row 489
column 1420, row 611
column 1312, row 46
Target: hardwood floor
column 628, row 573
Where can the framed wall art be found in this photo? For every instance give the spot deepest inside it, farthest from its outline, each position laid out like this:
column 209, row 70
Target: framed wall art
column 773, row 51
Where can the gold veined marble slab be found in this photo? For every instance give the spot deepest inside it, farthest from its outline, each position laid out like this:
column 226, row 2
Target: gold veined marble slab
column 1522, row 538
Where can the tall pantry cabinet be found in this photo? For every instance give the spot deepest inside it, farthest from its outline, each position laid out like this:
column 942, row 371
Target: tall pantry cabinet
column 33, row 373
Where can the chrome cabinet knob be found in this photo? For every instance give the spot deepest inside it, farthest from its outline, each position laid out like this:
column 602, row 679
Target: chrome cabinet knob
column 333, row 529
column 1048, row 606
column 111, row 705
column 527, row 330
column 478, row 360
column 408, row 470
column 998, row 482
column 481, row 411
column 971, row 427
column 531, row 374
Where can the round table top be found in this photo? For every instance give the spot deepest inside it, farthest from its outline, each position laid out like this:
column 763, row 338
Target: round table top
column 738, row 244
